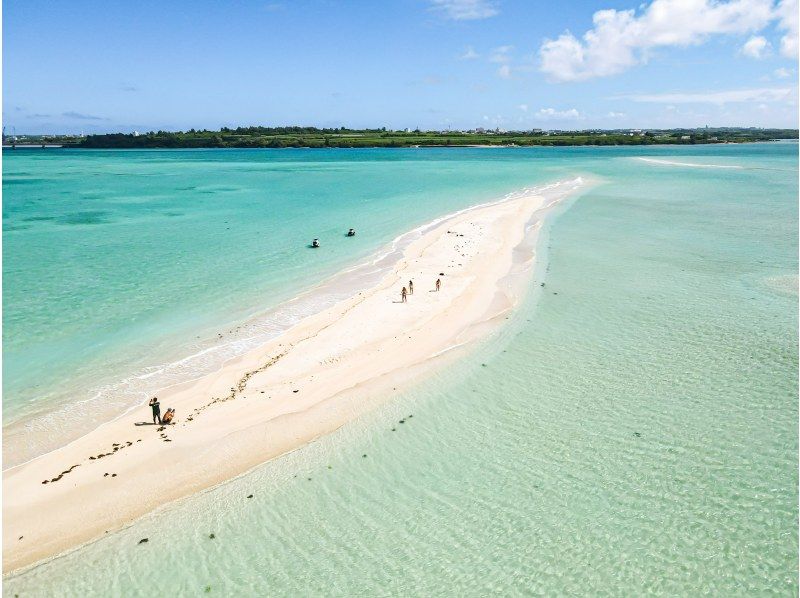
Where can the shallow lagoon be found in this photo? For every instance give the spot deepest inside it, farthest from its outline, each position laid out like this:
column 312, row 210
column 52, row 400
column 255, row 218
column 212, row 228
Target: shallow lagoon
column 633, row 428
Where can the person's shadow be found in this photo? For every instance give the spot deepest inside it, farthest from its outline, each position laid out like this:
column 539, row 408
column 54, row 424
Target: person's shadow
column 145, row 424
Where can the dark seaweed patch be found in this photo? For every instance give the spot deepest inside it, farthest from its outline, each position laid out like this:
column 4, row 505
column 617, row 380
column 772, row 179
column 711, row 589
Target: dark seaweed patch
column 87, row 217
column 13, row 181
column 39, row 218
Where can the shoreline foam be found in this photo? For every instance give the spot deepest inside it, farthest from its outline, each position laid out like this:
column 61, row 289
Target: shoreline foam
column 317, row 387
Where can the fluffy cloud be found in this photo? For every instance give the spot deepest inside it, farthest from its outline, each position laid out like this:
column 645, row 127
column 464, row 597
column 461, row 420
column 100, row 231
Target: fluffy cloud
column 622, row 39
column 787, row 13
column 553, row 114
column 501, row 54
column 469, row 54
column 763, row 94
column 756, row 47
column 504, row 72
column 523, row 107
column 465, row 10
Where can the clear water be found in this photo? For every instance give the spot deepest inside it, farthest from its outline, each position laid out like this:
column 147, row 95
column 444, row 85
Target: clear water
column 125, row 271
column 632, row 430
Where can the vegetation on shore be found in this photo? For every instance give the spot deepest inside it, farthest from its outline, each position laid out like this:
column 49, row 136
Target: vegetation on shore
column 312, row 137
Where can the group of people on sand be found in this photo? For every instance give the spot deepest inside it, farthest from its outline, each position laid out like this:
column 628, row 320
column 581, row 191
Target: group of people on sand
column 168, row 416
column 410, row 290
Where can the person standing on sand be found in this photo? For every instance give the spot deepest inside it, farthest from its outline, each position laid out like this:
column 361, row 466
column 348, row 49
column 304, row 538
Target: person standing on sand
column 410, row 287
column 156, row 406
column 403, row 294
column 438, row 284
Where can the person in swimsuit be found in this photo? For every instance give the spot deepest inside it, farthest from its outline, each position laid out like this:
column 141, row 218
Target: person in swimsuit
column 438, row 284
column 168, row 416
column 156, row 407
column 403, row 295
column 411, row 287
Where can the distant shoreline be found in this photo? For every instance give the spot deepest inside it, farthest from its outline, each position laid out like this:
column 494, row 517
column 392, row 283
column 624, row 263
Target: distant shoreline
column 37, row 146
column 314, row 138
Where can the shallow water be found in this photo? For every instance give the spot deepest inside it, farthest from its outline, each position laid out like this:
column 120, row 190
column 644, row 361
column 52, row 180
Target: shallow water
column 127, row 271
column 631, row 430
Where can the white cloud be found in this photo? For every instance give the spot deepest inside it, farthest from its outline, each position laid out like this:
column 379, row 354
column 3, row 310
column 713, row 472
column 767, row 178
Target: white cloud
column 469, row 54
column 553, row 114
column 504, row 72
column 501, row 54
column 782, row 73
column 764, row 94
column 523, row 107
column 756, row 47
column 620, row 40
column 787, row 13
column 465, row 10
column 613, row 114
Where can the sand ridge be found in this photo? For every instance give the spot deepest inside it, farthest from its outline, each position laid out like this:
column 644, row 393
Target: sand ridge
column 309, row 381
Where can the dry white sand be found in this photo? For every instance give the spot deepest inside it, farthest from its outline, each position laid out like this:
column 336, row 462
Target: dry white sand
column 320, row 374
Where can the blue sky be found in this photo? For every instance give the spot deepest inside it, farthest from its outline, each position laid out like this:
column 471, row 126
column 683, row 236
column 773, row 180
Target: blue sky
column 86, row 66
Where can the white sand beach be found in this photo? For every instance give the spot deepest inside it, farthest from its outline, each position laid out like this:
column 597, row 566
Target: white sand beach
column 309, row 381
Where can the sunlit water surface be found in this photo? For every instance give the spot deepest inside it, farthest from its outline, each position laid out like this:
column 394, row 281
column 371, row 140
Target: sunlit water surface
column 632, row 429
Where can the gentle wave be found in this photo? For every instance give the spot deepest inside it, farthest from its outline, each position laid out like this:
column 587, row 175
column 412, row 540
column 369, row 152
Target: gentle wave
column 689, row 164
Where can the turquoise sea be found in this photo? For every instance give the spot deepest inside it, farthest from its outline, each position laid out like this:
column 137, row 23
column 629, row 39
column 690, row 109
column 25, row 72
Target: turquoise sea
column 631, row 430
